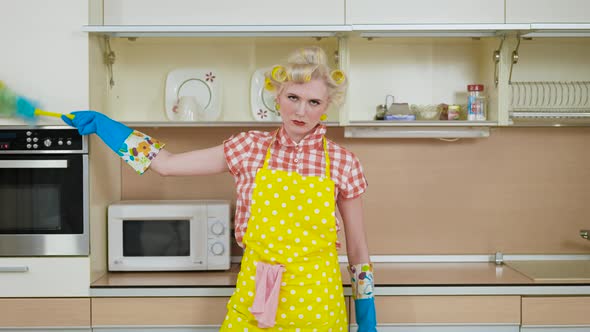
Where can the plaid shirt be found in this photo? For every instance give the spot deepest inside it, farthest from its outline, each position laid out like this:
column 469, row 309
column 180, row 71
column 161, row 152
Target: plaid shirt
column 245, row 152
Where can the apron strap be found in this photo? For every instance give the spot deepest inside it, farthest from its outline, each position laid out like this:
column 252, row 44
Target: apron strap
column 327, row 157
column 267, row 157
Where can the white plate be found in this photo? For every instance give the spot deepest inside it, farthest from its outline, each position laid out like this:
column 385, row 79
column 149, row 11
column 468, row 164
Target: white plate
column 262, row 102
column 203, row 84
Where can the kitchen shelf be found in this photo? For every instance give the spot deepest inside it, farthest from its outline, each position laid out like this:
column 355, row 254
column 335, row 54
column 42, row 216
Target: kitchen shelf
column 131, row 31
column 438, row 30
column 419, row 123
column 212, row 124
column 559, row 30
column 416, row 132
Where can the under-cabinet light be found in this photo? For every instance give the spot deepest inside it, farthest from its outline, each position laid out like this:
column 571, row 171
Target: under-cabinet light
column 413, row 132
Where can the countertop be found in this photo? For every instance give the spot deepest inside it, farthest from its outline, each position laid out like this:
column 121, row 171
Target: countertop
column 386, row 274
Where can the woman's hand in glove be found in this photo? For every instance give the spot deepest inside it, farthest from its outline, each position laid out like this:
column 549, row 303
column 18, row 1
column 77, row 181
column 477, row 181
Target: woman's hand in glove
column 111, row 132
column 363, row 284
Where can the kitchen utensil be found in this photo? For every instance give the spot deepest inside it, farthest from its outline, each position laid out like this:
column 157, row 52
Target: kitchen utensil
column 262, row 102
column 381, row 109
column 202, row 84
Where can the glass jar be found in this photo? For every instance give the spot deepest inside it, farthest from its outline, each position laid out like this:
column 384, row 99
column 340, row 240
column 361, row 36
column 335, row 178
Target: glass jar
column 476, row 103
column 454, row 112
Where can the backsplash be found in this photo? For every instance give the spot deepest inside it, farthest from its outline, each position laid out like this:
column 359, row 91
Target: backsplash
column 522, row 190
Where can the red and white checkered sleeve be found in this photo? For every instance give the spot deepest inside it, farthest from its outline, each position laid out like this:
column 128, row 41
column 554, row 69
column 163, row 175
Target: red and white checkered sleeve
column 236, row 149
column 355, row 181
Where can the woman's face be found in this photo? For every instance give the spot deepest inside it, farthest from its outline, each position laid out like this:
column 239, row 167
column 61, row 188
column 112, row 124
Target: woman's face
column 301, row 106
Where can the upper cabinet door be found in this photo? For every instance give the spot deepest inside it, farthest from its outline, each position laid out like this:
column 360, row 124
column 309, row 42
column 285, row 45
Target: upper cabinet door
column 223, row 12
column 547, row 11
column 45, row 56
column 425, row 11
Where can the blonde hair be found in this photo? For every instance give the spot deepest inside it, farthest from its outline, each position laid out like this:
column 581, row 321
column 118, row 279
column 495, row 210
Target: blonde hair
column 302, row 66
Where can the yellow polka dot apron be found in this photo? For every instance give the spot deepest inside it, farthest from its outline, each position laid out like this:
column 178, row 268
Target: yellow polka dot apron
column 292, row 223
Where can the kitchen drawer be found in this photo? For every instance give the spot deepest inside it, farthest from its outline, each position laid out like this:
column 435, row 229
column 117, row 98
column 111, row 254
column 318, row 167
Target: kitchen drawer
column 60, row 314
column 158, row 311
column 447, row 310
column 554, row 311
column 44, row 277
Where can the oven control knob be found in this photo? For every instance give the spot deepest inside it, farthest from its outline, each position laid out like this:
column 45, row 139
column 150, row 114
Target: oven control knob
column 60, row 142
column 29, row 146
column 47, row 142
column 217, row 228
column 217, row 248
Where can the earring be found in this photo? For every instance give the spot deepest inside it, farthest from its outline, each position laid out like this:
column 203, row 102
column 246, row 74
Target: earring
column 323, row 117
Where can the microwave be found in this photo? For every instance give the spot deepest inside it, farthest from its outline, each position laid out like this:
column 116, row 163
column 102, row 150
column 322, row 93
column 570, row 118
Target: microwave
column 175, row 235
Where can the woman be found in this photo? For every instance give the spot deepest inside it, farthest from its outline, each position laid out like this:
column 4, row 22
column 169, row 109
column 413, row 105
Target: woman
column 288, row 183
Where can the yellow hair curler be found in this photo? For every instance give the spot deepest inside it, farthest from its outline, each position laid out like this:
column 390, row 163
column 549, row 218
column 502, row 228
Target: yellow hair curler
column 338, row 76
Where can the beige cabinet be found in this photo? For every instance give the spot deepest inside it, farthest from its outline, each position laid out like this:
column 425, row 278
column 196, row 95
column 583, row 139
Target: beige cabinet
column 223, row 12
column 45, row 54
column 169, row 312
column 425, row 11
column 59, row 314
column 555, row 314
column 547, row 11
column 446, row 313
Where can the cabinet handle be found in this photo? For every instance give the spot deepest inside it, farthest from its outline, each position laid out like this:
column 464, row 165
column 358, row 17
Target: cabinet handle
column 14, row 269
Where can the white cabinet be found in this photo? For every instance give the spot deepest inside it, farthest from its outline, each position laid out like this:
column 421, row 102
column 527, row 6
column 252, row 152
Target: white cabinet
column 45, row 53
column 44, row 277
column 424, row 11
column 223, row 12
column 547, row 11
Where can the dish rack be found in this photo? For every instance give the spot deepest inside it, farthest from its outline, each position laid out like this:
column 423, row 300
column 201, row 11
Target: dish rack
column 545, row 99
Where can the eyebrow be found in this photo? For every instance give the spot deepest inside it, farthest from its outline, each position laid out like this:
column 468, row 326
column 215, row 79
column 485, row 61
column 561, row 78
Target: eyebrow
column 311, row 99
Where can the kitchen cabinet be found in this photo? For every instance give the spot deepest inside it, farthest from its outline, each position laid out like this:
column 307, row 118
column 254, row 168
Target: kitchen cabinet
column 550, row 83
column 44, row 277
column 45, row 55
column 140, row 74
column 446, row 313
column 222, row 12
column 424, row 11
column 72, row 314
column 421, row 71
column 555, row 314
column 547, row 11
column 164, row 313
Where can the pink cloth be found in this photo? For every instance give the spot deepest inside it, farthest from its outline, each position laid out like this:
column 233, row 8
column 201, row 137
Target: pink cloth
column 266, row 299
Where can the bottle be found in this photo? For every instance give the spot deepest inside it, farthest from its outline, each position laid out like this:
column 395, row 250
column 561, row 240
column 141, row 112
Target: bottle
column 476, row 103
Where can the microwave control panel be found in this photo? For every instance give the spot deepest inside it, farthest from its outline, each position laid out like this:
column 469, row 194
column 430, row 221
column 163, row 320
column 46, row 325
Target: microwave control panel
column 218, row 237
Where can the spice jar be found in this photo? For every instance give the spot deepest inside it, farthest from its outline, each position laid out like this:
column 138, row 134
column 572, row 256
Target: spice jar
column 476, row 103
column 454, row 112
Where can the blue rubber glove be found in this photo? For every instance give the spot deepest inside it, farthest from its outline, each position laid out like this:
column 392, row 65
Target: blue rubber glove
column 363, row 284
column 111, row 132
column 366, row 318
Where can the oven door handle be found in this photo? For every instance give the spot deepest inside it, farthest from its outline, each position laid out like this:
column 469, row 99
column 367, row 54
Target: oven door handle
column 14, row 269
column 33, row 164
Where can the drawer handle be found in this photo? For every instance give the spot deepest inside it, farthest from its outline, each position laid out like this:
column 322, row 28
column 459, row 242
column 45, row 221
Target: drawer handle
column 14, row 269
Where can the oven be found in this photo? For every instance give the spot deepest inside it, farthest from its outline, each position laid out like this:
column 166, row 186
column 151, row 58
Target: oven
column 43, row 192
